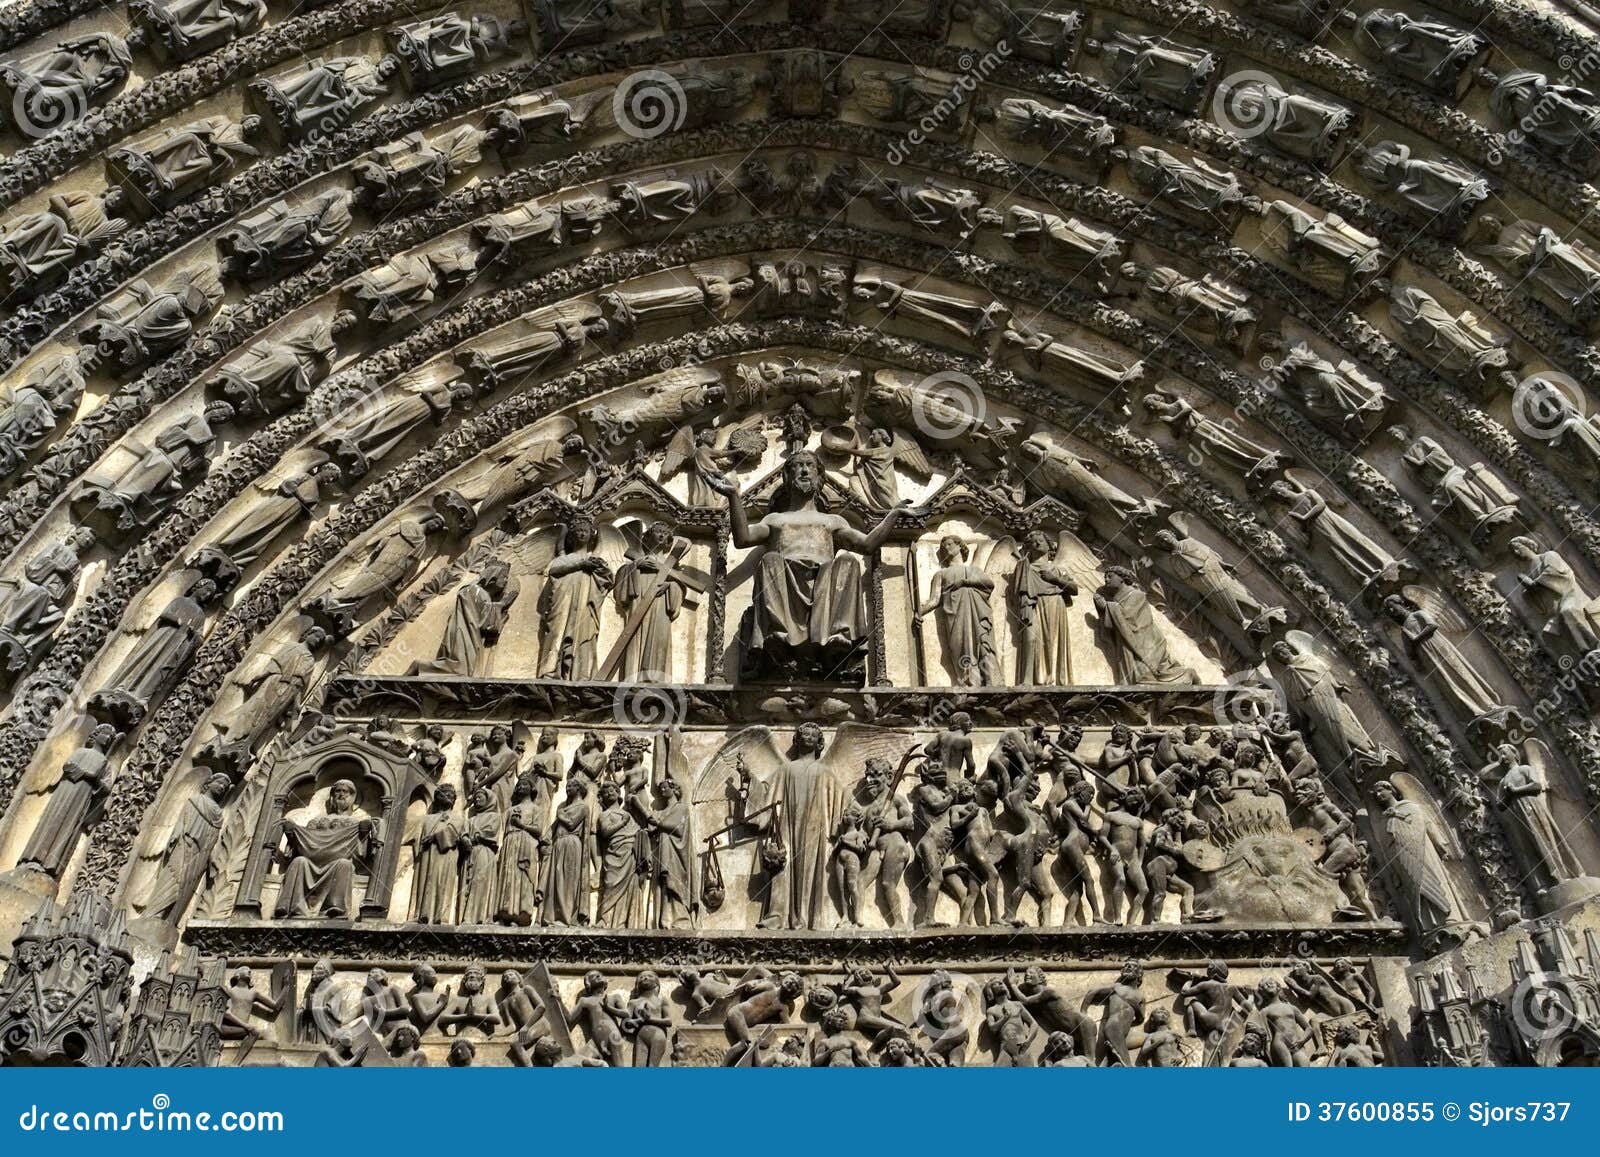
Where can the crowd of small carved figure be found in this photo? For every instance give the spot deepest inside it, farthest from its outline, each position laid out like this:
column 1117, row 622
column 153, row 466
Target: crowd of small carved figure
column 1310, row 1014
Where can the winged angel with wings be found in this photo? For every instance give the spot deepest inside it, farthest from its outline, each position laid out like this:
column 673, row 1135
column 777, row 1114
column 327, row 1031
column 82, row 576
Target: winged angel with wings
column 577, row 566
column 793, row 801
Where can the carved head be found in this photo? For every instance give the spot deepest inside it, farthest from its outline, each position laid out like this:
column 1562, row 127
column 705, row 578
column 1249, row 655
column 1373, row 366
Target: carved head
column 444, row 797
column 961, row 721
column 511, row 980
column 217, row 786
column 473, row 980
column 341, row 797
column 951, row 550
column 610, row 795
column 522, row 790
column 548, row 738
column 646, row 984
column 404, row 1038
column 1038, row 544
column 1121, row 734
column 594, row 982
column 658, row 537
column 1217, row 970
column 790, row 985
column 241, row 978
column 835, row 1020
column 1385, row 793
column 808, row 739
column 581, row 533
column 1524, row 547
column 802, row 474
column 1132, row 973
column 424, row 975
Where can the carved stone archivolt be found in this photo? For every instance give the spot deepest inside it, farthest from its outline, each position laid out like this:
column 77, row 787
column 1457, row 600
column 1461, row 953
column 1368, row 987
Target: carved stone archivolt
column 1119, row 474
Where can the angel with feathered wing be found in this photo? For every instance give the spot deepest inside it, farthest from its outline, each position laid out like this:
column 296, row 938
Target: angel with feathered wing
column 876, row 458
column 577, row 564
column 1418, row 850
column 697, row 454
column 526, row 464
column 1522, row 792
column 1426, row 623
column 959, row 594
column 795, row 799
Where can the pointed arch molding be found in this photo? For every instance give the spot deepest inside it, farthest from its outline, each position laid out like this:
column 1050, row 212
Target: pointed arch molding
column 957, row 204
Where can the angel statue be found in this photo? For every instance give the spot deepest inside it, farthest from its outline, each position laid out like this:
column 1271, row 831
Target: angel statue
column 1426, row 622
column 876, row 456
column 1212, row 578
column 1336, row 733
column 806, row 611
column 1134, row 641
column 1209, row 439
column 696, row 454
column 1522, row 792
column 652, row 589
column 527, row 463
column 1549, row 580
column 959, row 593
column 578, row 575
column 390, row 561
column 1418, row 847
column 795, row 800
column 1042, row 587
column 1362, row 558
column 1076, row 480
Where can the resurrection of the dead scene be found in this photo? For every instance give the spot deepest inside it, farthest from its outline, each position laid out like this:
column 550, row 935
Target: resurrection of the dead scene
column 866, row 533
